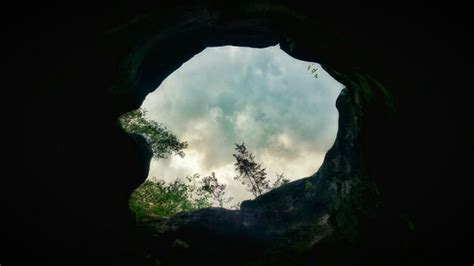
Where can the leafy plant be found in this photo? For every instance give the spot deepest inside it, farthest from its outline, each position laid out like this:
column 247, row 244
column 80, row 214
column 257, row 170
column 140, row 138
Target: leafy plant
column 280, row 180
column 211, row 185
column 161, row 199
column 162, row 141
column 250, row 173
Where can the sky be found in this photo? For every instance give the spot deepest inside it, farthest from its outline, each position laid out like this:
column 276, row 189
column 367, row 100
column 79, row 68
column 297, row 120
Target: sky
column 263, row 97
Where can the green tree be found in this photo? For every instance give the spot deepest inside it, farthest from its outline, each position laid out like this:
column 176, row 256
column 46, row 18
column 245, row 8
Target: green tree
column 158, row 198
column 250, row 173
column 280, row 180
column 162, row 141
column 155, row 199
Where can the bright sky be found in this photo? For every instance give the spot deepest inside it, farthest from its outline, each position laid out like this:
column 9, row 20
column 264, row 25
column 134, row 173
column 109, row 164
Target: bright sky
column 263, row 97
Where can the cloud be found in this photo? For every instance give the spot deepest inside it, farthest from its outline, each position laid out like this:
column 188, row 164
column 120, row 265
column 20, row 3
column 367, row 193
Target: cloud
column 262, row 97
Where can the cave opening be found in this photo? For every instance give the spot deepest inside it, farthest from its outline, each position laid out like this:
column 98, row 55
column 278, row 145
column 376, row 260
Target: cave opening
column 282, row 108
column 325, row 207
column 131, row 58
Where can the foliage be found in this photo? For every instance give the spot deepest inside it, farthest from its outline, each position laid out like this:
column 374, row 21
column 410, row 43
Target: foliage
column 161, row 140
column 210, row 188
column 158, row 198
column 280, row 180
column 211, row 185
column 161, row 199
column 250, row 173
column 313, row 70
column 253, row 174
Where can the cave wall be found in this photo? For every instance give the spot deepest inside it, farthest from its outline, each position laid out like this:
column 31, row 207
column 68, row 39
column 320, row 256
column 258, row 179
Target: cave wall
column 73, row 203
column 283, row 226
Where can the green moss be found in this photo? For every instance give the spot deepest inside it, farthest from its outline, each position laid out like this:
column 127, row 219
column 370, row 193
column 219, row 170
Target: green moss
column 354, row 209
column 308, row 185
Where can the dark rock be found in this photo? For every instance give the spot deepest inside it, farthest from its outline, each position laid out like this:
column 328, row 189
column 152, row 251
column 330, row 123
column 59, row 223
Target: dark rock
column 292, row 218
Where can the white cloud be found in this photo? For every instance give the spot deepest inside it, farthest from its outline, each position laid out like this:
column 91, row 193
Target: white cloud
column 262, row 97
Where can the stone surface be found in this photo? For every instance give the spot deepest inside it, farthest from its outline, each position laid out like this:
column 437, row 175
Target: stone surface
column 288, row 220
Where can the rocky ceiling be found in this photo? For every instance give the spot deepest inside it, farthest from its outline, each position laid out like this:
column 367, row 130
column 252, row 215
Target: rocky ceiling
column 383, row 189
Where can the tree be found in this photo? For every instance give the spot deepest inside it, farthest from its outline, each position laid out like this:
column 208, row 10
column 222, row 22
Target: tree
column 158, row 198
column 280, row 180
column 250, row 173
column 211, row 185
column 162, row 141
column 161, row 199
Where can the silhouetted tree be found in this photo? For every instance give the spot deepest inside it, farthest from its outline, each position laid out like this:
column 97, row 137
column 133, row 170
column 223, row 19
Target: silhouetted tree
column 158, row 198
column 211, row 185
column 162, row 141
column 250, row 173
column 280, row 180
